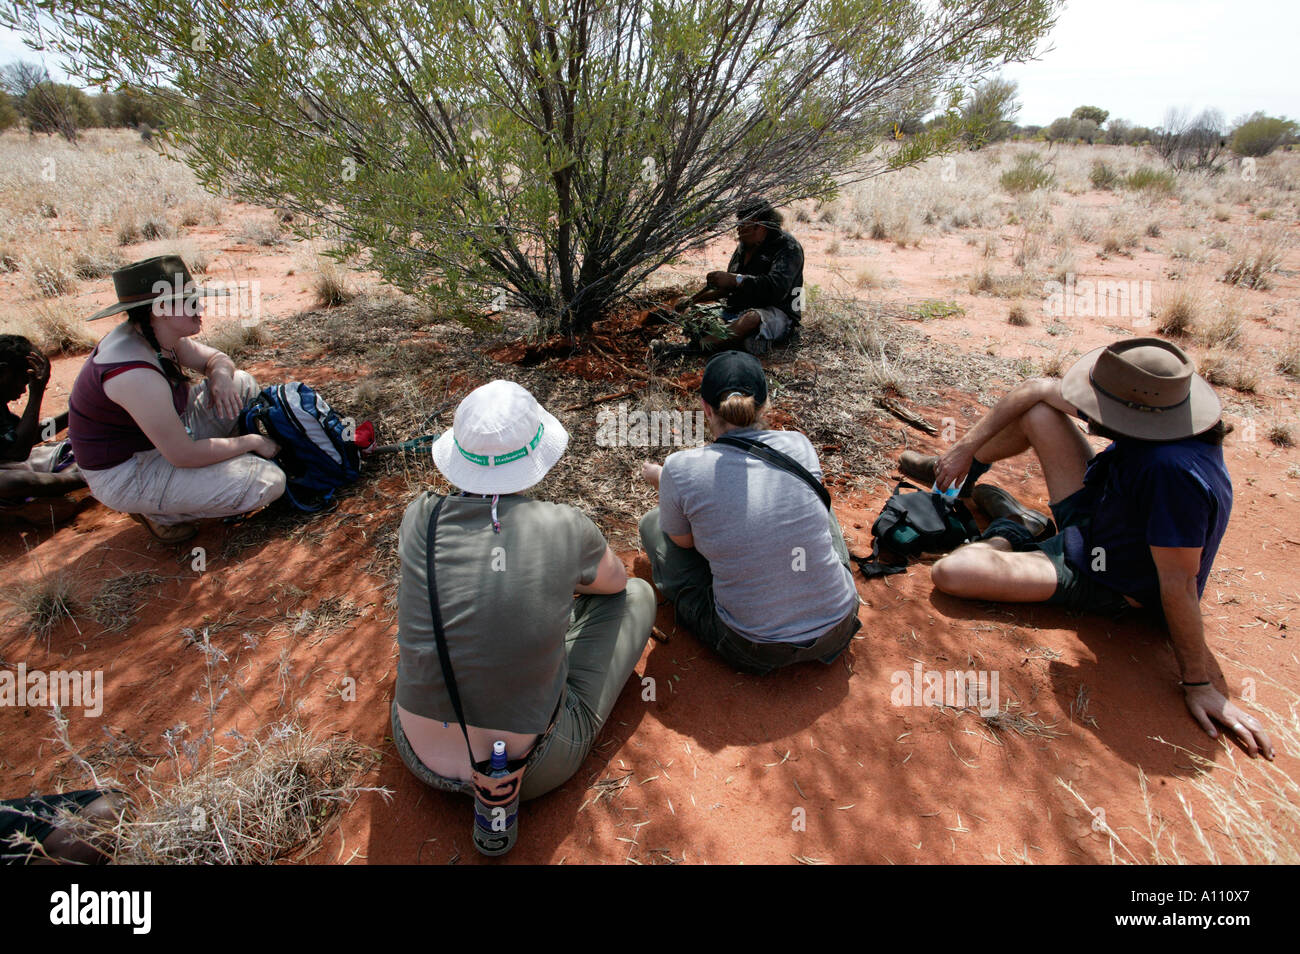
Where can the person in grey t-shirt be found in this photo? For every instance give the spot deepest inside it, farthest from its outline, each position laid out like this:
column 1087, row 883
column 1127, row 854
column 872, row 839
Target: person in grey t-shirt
column 753, row 561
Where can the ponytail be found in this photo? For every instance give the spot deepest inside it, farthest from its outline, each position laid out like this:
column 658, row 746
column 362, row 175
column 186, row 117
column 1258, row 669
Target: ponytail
column 739, row 410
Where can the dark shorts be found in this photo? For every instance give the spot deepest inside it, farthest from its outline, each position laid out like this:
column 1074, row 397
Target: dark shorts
column 1076, row 590
column 35, row 818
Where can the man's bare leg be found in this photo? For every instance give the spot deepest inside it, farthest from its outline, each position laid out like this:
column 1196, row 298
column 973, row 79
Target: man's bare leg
column 989, row 569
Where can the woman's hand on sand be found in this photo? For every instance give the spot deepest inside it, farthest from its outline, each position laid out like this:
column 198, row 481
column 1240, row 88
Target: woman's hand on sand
column 1208, row 706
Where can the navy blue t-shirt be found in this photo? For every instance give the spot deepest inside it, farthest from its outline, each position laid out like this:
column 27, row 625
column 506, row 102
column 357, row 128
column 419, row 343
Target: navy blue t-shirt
column 1150, row 495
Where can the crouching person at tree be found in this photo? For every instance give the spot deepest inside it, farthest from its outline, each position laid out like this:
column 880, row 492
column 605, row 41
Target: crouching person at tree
column 34, row 476
column 150, row 443
column 741, row 542
column 1139, row 523
column 530, row 665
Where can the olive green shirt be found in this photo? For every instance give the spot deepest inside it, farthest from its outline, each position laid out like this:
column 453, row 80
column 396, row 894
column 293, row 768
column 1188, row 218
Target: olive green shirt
column 506, row 600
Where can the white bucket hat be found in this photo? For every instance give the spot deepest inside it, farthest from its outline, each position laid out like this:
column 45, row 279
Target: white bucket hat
column 501, row 441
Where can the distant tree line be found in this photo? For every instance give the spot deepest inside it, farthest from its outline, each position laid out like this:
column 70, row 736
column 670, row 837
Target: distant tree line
column 1185, row 141
column 31, row 100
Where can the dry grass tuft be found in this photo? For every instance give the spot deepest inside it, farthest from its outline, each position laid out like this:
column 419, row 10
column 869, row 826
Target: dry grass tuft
column 44, row 602
column 1288, row 358
column 1018, row 317
column 1253, row 268
column 1001, row 286
column 1008, row 719
column 51, row 271
column 1280, row 435
column 333, row 286
column 1224, row 330
column 115, row 602
column 1180, row 311
column 273, row 800
column 94, row 262
column 53, row 327
column 235, row 339
column 1229, row 371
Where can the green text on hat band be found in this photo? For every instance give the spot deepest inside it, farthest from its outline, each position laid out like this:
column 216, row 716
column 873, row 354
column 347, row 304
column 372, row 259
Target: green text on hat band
column 483, row 460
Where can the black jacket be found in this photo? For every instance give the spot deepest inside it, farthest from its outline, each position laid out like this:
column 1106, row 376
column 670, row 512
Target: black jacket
column 773, row 276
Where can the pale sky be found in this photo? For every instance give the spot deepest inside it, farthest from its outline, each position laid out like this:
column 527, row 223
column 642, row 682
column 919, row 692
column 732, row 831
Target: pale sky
column 1135, row 58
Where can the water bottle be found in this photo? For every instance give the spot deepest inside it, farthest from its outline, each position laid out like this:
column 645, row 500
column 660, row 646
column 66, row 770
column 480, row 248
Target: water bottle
column 496, row 826
column 950, row 493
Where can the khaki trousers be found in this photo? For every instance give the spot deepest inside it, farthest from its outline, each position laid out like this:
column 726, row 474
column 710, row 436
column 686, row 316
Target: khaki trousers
column 147, row 484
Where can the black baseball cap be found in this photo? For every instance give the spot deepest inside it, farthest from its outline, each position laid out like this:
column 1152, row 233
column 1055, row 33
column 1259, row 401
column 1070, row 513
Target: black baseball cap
column 731, row 372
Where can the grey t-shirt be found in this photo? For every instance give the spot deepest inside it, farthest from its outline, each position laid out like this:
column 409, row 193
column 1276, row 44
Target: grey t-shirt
column 765, row 533
column 506, row 600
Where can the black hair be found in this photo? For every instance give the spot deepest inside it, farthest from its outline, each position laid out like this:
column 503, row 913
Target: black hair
column 1214, row 435
column 141, row 316
column 14, row 350
column 760, row 211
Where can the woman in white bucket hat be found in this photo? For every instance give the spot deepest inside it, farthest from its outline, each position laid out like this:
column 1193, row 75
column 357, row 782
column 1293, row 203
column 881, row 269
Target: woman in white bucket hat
column 534, row 667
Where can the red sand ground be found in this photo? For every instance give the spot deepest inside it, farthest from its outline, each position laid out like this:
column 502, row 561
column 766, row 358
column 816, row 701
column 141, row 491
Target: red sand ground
column 720, row 767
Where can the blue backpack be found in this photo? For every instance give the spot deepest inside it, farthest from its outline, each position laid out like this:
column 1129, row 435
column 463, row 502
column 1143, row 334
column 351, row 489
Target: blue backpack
column 318, row 452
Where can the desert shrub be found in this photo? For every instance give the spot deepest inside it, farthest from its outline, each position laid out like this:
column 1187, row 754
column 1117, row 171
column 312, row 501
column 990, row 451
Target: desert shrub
column 1017, row 316
column 1192, row 144
column 1253, row 267
column 1103, row 176
column 1026, row 174
column 562, row 187
column 1146, row 179
column 1258, row 135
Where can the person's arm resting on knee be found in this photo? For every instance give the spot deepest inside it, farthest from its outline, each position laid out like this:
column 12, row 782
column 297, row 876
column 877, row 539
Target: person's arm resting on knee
column 955, row 464
column 1177, row 568
column 145, row 395
column 218, row 368
column 611, row 577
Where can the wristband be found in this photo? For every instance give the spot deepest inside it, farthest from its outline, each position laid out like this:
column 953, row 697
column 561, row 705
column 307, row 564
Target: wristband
column 1193, row 685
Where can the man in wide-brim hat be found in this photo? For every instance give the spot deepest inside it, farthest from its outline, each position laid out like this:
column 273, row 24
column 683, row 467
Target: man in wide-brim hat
column 1137, row 526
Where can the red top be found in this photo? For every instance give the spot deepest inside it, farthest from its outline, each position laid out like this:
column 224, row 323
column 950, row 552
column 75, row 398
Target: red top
column 103, row 434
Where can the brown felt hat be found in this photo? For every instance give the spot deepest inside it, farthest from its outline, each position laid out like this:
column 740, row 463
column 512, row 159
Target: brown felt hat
column 1143, row 387
column 161, row 278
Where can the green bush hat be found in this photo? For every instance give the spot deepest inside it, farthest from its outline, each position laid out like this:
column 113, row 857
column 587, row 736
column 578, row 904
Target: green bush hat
column 161, row 278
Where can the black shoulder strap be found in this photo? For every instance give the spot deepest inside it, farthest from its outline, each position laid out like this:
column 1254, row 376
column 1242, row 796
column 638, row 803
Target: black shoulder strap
column 777, row 459
column 444, row 657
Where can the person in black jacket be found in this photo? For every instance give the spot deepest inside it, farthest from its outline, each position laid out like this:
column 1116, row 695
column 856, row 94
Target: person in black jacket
column 762, row 288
